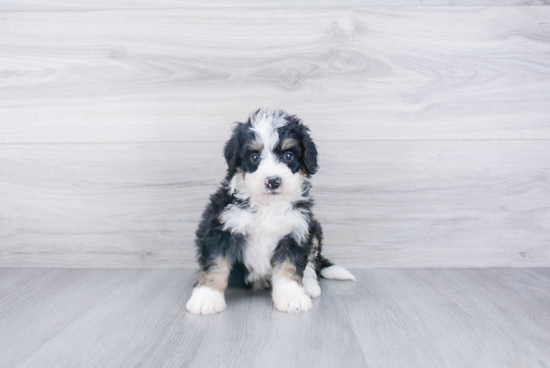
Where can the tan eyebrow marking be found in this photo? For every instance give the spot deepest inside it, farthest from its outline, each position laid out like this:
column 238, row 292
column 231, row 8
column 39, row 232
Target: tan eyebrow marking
column 288, row 143
column 255, row 145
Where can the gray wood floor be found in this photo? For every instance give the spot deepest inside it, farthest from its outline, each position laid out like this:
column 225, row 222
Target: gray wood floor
column 389, row 318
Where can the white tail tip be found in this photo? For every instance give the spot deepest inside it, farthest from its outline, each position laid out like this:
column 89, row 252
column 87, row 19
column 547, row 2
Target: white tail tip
column 337, row 273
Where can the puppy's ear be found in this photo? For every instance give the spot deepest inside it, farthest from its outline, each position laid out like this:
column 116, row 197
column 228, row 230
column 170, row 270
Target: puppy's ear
column 310, row 153
column 232, row 150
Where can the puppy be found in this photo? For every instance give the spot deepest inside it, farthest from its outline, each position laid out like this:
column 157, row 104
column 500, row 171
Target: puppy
column 258, row 229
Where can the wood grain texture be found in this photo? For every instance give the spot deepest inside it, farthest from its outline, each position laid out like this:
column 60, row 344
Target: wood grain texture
column 433, row 123
column 12, row 276
column 135, row 336
column 61, row 5
column 382, row 204
column 451, row 318
column 329, row 333
column 351, row 73
column 388, row 318
column 46, row 304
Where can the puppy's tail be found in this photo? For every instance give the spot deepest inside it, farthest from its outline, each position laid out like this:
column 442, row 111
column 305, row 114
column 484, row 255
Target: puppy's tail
column 334, row 272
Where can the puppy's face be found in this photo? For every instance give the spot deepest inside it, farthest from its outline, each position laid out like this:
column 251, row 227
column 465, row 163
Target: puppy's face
column 269, row 156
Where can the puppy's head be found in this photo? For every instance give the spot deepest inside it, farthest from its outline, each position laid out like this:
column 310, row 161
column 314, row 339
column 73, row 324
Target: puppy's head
column 270, row 155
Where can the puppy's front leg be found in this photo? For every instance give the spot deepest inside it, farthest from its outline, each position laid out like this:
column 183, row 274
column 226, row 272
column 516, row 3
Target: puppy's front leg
column 289, row 261
column 207, row 297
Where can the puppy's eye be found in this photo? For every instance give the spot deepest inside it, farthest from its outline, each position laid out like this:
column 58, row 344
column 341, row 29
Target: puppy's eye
column 288, row 156
column 255, row 158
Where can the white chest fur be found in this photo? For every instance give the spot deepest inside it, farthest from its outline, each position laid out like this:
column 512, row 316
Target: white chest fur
column 263, row 228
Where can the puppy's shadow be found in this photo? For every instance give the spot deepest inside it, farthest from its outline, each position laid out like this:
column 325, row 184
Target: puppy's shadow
column 238, row 296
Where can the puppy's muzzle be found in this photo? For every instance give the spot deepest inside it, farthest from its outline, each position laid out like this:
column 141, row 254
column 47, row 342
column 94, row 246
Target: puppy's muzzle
column 273, row 182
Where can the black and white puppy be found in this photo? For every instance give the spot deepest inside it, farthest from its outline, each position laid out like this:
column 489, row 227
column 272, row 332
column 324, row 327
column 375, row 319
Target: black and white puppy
column 258, row 229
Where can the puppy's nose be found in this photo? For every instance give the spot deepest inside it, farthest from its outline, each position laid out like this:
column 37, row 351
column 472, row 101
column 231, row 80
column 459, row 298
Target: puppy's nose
column 273, row 182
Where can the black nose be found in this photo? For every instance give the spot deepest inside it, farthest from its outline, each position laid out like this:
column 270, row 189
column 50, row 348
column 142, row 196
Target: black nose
column 273, row 182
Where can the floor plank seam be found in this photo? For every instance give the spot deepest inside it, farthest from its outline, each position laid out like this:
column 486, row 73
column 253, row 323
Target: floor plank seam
column 351, row 321
column 46, row 271
column 29, row 355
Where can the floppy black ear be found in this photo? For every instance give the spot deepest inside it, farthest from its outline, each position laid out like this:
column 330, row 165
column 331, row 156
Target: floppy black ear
column 232, row 150
column 310, row 154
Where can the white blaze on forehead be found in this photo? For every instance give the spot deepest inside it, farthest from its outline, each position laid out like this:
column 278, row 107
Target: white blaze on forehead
column 265, row 124
column 252, row 185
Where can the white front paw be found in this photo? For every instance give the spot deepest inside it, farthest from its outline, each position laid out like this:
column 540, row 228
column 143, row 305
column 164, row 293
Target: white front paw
column 205, row 300
column 291, row 301
column 312, row 288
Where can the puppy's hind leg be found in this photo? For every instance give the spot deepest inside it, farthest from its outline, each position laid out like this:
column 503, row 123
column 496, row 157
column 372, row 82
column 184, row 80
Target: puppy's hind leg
column 310, row 281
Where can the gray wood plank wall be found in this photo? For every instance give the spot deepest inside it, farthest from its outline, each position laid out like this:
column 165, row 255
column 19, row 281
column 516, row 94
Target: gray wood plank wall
column 433, row 124
column 38, row 5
